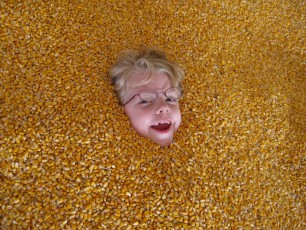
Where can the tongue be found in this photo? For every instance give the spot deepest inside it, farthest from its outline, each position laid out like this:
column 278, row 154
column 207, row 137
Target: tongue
column 161, row 126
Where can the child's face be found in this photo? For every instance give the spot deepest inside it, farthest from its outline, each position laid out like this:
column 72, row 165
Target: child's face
column 147, row 118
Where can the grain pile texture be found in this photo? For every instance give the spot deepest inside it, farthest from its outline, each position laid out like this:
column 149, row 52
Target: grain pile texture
column 71, row 160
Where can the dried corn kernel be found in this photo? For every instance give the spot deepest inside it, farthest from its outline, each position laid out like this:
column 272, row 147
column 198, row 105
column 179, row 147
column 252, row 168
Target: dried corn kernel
column 69, row 157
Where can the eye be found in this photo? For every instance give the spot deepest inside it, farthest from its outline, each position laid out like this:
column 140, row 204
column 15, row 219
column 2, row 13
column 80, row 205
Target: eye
column 143, row 102
column 171, row 99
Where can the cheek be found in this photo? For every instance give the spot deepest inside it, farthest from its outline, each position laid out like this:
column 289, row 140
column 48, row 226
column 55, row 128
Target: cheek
column 138, row 118
column 130, row 113
column 178, row 118
column 135, row 114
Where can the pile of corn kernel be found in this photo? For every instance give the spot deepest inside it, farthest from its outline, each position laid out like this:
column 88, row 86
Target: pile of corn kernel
column 71, row 160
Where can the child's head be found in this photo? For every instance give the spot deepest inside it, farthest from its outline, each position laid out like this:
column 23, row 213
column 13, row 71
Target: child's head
column 148, row 85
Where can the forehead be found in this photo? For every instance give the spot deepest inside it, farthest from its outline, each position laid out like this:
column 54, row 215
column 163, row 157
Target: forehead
column 159, row 81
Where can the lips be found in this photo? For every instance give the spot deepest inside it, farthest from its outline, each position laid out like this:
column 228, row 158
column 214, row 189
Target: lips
column 161, row 126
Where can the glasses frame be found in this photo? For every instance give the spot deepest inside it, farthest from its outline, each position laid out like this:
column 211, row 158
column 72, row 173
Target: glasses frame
column 157, row 93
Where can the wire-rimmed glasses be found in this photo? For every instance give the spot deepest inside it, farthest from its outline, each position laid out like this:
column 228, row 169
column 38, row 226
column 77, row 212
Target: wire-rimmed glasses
column 149, row 95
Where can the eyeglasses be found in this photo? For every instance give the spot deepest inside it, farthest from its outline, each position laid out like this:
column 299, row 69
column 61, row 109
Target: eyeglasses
column 172, row 95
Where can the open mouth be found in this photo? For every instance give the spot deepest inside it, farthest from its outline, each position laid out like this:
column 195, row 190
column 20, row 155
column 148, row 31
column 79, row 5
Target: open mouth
column 161, row 126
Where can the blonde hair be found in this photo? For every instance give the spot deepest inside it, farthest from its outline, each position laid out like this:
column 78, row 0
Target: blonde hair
column 147, row 60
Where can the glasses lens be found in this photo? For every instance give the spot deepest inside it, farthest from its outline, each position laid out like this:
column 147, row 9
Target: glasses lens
column 173, row 93
column 148, row 95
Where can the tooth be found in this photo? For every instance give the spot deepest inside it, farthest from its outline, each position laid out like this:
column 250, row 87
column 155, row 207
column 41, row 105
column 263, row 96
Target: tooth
column 163, row 122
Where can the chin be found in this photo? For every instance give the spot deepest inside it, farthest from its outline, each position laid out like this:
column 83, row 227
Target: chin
column 163, row 143
column 161, row 137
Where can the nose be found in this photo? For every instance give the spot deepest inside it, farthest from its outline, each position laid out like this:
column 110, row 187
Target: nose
column 162, row 106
